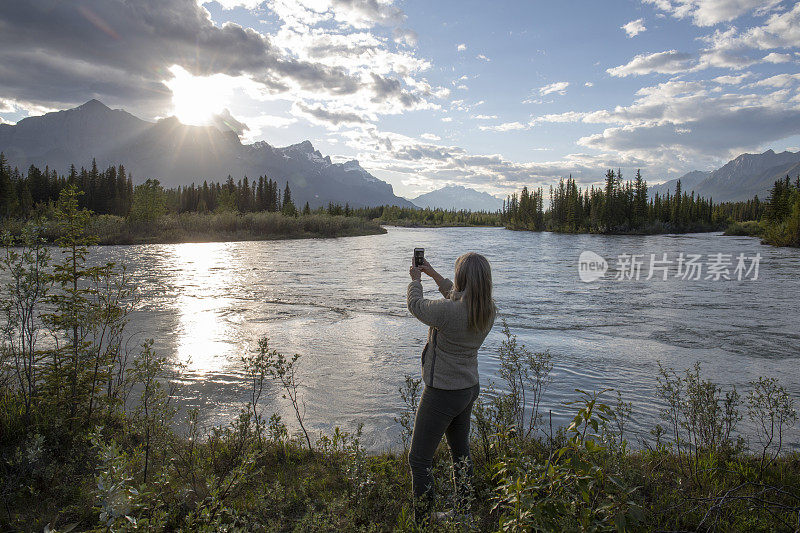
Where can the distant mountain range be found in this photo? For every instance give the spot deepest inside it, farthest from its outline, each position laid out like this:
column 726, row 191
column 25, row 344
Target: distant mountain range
column 458, row 197
column 740, row 179
column 178, row 154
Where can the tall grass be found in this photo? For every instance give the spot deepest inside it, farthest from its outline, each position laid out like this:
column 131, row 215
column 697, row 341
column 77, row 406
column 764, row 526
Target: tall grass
column 210, row 227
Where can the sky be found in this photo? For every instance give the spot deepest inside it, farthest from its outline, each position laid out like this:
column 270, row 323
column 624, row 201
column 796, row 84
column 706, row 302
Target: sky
column 490, row 95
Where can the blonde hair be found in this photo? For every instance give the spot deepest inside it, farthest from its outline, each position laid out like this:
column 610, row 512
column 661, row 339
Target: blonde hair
column 473, row 277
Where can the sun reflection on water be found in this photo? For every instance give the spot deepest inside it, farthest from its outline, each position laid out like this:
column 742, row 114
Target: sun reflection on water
column 203, row 282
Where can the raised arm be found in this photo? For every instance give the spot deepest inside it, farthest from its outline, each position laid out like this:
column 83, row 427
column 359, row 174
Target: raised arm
column 444, row 284
column 429, row 312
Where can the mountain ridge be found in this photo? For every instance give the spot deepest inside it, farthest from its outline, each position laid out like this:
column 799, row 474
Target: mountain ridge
column 740, row 179
column 458, row 197
column 179, row 154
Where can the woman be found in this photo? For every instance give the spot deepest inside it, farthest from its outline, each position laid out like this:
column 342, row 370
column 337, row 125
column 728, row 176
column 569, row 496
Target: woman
column 458, row 325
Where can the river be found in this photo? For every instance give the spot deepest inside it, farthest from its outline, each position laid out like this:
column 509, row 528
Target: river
column 340, row 303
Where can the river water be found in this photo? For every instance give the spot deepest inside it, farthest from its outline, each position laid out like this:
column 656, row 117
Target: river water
column 340, row 303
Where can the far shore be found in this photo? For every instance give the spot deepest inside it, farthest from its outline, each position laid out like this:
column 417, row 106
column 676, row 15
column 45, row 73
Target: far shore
column 209, row 227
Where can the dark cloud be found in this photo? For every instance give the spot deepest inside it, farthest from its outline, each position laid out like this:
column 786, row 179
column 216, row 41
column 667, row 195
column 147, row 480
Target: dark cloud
column 54, row 52
column 716, row 134
column 331, row 117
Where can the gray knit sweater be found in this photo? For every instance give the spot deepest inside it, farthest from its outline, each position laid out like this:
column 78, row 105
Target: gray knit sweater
column 450, row 360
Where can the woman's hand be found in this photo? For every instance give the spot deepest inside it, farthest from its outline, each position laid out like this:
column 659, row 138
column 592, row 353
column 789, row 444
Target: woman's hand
column 427, row 268
column 416, row 273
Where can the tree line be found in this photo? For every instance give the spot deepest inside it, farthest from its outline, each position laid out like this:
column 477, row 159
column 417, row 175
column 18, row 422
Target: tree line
column 107, row 191
column 111, row 192
column 617, row 207
column 781, row 220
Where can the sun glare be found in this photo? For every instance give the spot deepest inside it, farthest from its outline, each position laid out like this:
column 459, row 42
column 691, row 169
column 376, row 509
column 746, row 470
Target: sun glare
column 196, row 99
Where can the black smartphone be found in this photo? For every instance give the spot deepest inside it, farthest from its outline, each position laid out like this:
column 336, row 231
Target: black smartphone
column 419, row 257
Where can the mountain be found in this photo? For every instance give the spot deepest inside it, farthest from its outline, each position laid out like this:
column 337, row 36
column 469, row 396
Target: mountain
column 458, row 197
column 688, row 182
column 739, row 179
column 178, row 154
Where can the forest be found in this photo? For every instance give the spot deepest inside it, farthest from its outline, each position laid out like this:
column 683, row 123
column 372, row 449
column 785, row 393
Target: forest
column 263, row 208
column 618, row 207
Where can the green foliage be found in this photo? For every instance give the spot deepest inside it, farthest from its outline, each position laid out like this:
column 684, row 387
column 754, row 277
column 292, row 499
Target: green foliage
column 406, row 216
column 410, row 393
column 782, row 215
column 149, row 202
column 749, row 228
column 571, row 491
column 772, row 411
column 615, row 208
column 284, row 370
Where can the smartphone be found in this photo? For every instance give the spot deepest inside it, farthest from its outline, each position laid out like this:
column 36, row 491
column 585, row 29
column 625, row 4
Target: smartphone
column 419, row 257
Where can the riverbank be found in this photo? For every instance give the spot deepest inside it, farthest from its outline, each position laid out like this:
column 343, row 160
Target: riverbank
column 783, row 234
column 211, row 227
column 252, row 475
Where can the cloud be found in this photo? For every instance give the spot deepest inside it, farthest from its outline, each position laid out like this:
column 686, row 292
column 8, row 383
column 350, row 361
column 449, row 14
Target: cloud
column 121, row 52
column 559, row 87
column 421, row 164
column 257, row 124
column 325, row 117
column 588, row 84
column 669, row 62
column 569, row 116
column 683, row 122
column 778, row 81
column 774, row 57
column 634, row 27
column 713, row 12
column 505, row 126
column 461, row 47
column 732, row 80
column 430, row 137
column 482, row 58
column 484, row 117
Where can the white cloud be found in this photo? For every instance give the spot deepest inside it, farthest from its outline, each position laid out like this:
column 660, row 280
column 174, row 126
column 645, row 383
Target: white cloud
column 669, row 62
column 258, row 124
column 482, row 58
column 430, row 137
column 712, row 12
column 774, row 57
column 484, row 117
column 559, row 87
column 505, row 126
column 569, row 116
column 461, row 47
column 681, row 122
column 778, row 81
column 588, row 84
column 634, row 27
column 732, row 80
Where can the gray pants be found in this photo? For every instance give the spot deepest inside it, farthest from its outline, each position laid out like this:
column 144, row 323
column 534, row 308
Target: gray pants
column 440, row 412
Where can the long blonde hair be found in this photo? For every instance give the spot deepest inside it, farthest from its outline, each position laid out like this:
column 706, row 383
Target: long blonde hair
column 473, row 277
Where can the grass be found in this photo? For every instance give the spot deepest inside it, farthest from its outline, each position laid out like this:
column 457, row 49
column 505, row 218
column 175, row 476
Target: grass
column 750, row 228
column 212, row 227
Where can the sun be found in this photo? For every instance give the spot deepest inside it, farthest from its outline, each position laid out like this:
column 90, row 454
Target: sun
column 196, row 99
